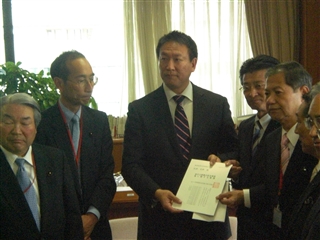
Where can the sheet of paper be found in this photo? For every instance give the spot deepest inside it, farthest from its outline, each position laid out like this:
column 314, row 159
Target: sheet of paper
column 220, row 214
column 200, row 186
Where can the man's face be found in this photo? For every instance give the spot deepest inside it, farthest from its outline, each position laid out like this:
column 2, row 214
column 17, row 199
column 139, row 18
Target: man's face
column 314, row 114
column 77, row 89
column 253, row 89
column 303, row 132
column 282, row 101
column 17, row 128
column 175, row 66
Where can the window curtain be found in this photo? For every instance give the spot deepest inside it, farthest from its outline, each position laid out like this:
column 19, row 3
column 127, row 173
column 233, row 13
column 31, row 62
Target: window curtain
column 220, row 30
column 145, row 22
column 218, row 27
column 274, row 28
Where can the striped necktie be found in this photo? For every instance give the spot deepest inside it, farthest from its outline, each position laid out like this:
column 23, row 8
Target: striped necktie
column 28, row 189
column 256, row 136
column 182, row 127
column 285, row 153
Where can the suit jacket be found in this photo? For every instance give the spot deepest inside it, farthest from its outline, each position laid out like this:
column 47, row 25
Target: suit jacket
column 295, row 179
column 311, row 228
column 249, row 165
column 251, row 220
column 303, row 209
column 152, row 158
column 59, row 206
column 96, row 161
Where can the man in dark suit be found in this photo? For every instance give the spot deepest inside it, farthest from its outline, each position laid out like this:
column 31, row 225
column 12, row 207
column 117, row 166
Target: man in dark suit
column 90, row 153
column 307, row 206
column 285, row 181
column 53, row 211
column 154, row 161
column 251, row 132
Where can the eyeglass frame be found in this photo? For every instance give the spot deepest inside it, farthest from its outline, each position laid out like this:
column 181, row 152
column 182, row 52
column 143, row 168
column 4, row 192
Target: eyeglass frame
column 256, row 85
column 309, row 123
column 82, row 81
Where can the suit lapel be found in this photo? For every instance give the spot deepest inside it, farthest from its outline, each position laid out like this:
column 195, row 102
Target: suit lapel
column 199, row 113
column 61, row 140
column 164, row 115
column 11, row 191
column 314, row 185
column 60, row 132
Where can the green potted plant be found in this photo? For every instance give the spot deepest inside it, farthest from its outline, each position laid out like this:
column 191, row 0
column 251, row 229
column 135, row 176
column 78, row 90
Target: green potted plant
column 40, row 86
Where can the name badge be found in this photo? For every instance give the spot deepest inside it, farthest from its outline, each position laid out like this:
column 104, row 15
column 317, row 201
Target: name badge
column 277, row 216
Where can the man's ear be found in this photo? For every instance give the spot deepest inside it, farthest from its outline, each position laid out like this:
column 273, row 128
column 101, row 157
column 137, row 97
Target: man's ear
column 58, row 82
column 304, row 89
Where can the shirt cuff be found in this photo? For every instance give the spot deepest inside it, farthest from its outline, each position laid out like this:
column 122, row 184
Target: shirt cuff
column 246, row 195
column 95, row 211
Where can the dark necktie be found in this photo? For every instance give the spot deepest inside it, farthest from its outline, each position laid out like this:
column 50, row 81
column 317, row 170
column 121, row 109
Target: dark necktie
column 182, row 127
column 256, row 136
column 28, row 189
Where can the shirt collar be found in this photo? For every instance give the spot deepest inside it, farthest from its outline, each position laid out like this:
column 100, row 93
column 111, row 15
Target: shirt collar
column 11, row 158
column 187, row 92
column 264, row 121
column 292, row 136
column 69, row 114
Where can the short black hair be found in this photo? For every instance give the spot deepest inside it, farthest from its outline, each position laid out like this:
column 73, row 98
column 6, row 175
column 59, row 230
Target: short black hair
column 295, row 75
column 257, row 63
column 59, row 65
column 179, row 37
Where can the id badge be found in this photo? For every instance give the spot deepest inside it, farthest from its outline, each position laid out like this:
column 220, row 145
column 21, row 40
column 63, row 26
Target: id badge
column 277, row 216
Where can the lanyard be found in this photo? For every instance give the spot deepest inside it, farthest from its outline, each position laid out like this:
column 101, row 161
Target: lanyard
column 76, row 154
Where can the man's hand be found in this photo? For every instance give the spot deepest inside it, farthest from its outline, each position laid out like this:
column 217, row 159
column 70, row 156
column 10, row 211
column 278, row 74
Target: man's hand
column 235, row 169
column 213, row 159
column 89, row 220
column 166, row 198
column 232, row 199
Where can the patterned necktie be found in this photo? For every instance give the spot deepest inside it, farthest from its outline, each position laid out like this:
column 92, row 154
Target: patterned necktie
column 182, row 127
column 256, row 136
column 75, row 131
column 28, row 189
column 285, row 153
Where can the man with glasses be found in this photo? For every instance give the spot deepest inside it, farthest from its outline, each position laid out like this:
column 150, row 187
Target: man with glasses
column 305, row 220
column 85, row 137
column 251, row 132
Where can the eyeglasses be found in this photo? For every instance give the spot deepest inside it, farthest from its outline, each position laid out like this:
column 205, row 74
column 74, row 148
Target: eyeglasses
column 309, row 122
column 83, row 81
column 257, row 86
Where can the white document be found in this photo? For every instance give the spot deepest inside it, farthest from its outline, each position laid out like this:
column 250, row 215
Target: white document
column 200, row 186
column 220, row 214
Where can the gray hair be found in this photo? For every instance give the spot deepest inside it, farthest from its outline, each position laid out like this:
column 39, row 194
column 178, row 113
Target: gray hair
column 315, row 90
column 23, row 99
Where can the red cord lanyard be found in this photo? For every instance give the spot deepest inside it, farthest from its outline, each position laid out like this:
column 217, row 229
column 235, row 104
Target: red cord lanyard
column 34, row 175
column 76, row 154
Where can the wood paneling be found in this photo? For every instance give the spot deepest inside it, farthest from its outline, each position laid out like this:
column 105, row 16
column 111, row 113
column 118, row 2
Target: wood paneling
column 310, row 37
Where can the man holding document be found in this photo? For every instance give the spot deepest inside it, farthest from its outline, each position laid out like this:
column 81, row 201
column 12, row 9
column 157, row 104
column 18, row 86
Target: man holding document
column 164, row 131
